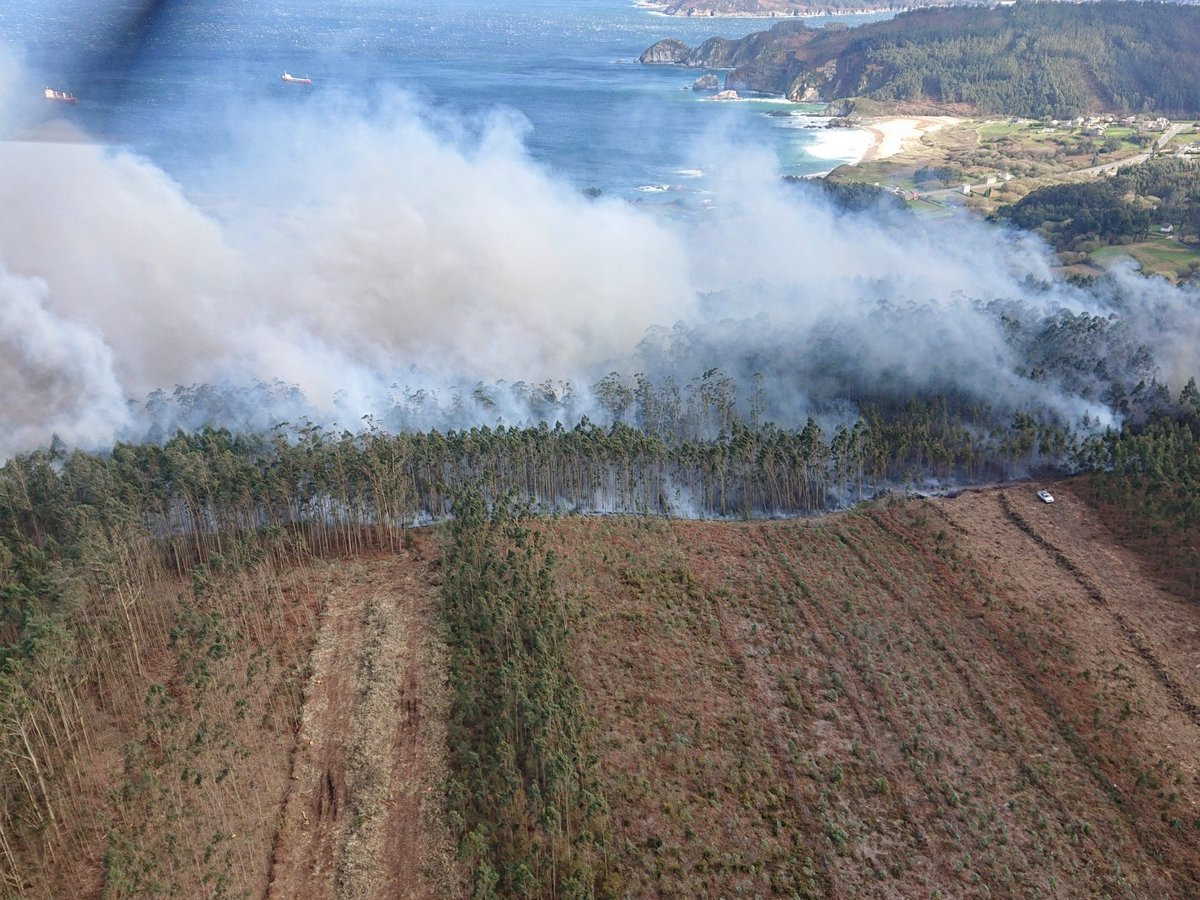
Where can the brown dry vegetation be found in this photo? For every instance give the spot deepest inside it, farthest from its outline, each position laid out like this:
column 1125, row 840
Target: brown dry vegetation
column 978, row 696
column 181, row 749
column 960, row 696
column 279, row 732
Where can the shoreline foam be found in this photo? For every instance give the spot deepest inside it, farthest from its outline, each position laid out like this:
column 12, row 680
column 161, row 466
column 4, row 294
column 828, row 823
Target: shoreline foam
column 846, row 146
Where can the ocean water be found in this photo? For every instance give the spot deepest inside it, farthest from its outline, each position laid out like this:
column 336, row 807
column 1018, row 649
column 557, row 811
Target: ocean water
column 171, row 85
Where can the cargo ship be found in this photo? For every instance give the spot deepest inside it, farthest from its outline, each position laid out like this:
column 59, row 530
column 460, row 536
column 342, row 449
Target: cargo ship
column 296, row 79
column 60, row 96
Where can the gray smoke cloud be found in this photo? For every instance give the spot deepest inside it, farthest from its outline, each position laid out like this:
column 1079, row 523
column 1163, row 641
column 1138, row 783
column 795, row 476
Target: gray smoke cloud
column 58, row 374
column 390, row 260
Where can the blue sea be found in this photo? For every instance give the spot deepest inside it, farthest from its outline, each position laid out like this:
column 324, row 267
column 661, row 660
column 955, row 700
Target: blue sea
column 167, row 84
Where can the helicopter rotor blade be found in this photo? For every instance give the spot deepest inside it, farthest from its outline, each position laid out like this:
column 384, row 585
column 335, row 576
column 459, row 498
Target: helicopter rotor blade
column 90, row 51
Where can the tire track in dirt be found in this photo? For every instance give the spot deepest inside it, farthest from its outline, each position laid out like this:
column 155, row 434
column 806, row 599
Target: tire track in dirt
column 361, row 817
column 398, row 846
column 1135, row 640
column 360, row 866
column 310, row 827
column 1117, row 751
column 976, row 696
column 1054, row 712
column 1044, row 700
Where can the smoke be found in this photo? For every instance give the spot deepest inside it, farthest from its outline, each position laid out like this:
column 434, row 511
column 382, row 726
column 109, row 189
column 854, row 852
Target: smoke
column 390, row 262
column 57, row 374
column 405, row 246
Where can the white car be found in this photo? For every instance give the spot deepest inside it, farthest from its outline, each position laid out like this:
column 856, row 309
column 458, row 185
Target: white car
column 1045, row 496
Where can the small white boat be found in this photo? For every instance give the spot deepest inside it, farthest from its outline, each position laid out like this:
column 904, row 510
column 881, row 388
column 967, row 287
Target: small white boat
column 296, row 79
column 60, row 96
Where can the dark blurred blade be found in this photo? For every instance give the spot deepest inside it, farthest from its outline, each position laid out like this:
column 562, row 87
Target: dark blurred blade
column 122, row 38
column 96, row 50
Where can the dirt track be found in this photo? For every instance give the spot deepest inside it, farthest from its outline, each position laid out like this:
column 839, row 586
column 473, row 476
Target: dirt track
column 362, row 817
column 1062, row 555
column 1132, row 647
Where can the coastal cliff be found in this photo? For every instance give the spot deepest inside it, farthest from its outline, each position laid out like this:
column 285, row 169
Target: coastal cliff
column 722, row 53
column 768, row 62
column 1036, row 60
column 775, row 8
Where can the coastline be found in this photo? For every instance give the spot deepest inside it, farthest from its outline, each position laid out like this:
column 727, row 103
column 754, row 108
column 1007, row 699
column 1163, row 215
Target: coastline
column 659, row 8
column 840, row 147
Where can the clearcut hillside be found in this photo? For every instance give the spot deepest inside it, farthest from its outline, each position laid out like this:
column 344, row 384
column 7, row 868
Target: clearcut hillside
column 967, row 695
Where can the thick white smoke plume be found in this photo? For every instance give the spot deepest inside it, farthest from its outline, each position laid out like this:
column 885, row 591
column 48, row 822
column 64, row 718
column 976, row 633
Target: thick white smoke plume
column 371, row 259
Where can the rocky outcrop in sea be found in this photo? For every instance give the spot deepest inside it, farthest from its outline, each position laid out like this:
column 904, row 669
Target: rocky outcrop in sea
column 758, row 63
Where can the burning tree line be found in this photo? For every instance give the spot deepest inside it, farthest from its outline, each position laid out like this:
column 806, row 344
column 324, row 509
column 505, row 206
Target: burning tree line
column 345, row 491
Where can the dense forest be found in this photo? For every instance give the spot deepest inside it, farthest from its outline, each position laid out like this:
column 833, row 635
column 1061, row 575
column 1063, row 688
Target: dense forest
column 1158, row 192
column 1151, row 491
column 529, row 815
column 207, row 497
column 781, row 7
column 1028, row 59
column 849, row 196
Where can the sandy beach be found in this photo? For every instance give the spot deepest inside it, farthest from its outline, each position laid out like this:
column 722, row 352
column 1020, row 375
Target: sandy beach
column 892, row 133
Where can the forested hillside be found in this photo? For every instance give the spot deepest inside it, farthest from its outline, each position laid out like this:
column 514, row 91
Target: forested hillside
column 1028, row 59
column 741, row 8
column 1125, row 206
column 1151, row 492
